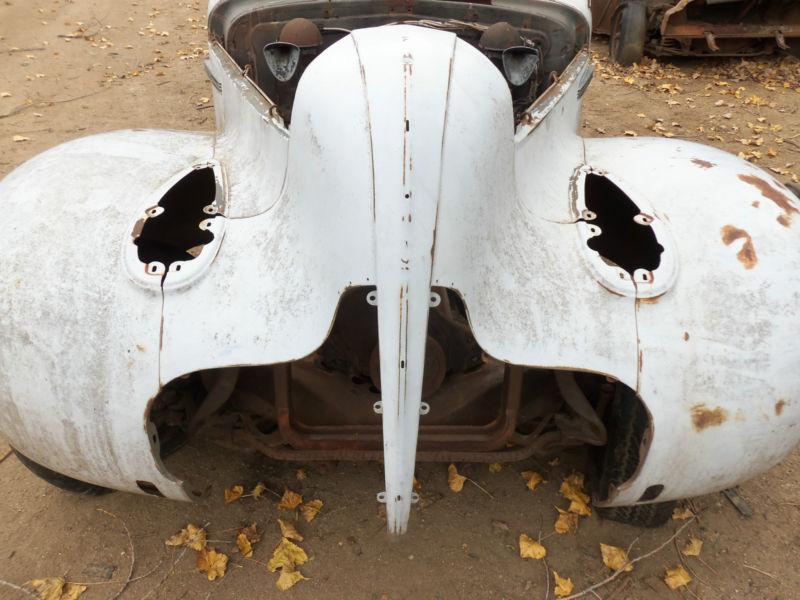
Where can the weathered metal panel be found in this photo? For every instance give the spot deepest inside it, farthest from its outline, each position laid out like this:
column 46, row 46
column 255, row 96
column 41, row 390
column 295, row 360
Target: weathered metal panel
column 275, row 284
column 80, row 341
column 718, row 351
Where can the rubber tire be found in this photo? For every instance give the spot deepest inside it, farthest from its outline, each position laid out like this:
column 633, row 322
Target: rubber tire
column 628, row 33
column 61, row 481
column 627, row 423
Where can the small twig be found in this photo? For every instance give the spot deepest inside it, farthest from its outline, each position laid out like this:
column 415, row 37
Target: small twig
column 18, row 588
column 167, row 574
column 34, row 49
column 707, row 566
column 620, row 571
column 8, row 453
column 116, row 581
column 757, row 570
column 171, row 569
column 546, row 568
column 133, row 553
column 26, row 106
column 625, row 583
column 477, row 485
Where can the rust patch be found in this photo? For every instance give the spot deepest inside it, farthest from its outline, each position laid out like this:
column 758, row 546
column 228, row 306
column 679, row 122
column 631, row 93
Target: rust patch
column 685, row 336
column 779, row 198
column 704, row 417
column 747, row 254
column 703, row 164
column 779, row 407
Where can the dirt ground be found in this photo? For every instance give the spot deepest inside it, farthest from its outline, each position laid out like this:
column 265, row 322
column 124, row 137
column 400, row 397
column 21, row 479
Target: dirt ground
column 72, row 68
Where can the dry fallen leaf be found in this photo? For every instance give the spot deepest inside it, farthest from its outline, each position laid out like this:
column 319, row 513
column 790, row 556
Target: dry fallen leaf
column 615, row 558
column 258, row 491
column 567, row 522
column 311, row 509
column 251, row 532
column 244, row 545
column 288, row 578
column 681, row 513
column 290, row 500
column 5, row 94
column 572, row 490
column 56, row 588
column 301, row 475
column 286, row 555
column 693, row 547
column 212, row 563
column 233, row 493
column 455, row 481
column 192, row 536
column 533, row 479
column 416, row 485
column 677, row 577
column 564, row 585
column 530, row 548
column 20, row 138
column 495, row 468
column 289, row 531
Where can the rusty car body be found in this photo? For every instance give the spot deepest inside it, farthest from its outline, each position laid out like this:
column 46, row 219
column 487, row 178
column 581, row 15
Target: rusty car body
column 397, row 247
column 697, row 27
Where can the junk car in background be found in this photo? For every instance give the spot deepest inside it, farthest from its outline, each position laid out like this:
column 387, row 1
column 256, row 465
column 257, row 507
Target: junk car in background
column 697, row 27
column 396, row 247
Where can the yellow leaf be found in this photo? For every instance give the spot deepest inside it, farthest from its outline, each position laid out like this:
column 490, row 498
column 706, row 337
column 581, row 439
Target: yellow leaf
column 311, row 509
column 290, row 500
column 455, row 481
column 579, row 507
column 564, row 585
column 572, row 490
column 530, row 548
column 567, row 522
column 192, row 536
column 286, row 556
column 49, row 588
column 495, row 468
column 212, row 563
column 72, row 591
column 232, row 494
column 289, row 531
column 615, row 558
column 258, row 491
column 533, row 479
column 244, row 545
column 288, row 578
column 677, row 577
column 300, row 475
column 681, row 513
column 693, row 547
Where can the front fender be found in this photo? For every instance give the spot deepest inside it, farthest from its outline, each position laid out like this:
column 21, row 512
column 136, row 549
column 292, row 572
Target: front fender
column 718, row 351
column 79, row 340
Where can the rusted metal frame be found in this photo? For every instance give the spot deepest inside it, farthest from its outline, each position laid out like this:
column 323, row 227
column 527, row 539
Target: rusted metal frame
column 539, row 446
column 700, row 30
column 485, row 437
column 674, row 10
